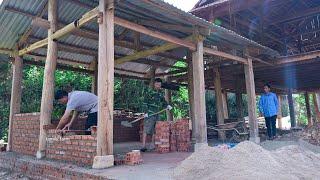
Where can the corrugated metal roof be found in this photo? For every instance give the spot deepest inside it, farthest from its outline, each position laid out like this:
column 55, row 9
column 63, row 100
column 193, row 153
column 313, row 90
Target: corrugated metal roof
column 13, row 25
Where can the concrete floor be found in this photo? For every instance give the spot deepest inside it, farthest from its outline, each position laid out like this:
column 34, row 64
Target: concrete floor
column 155, row 166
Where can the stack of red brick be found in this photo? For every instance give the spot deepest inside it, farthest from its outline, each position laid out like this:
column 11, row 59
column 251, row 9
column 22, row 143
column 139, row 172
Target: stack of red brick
column 183, row 135
column 162, row 136
column 79, row 149
column 133, row 158
column 172, row 136
column 25, row 133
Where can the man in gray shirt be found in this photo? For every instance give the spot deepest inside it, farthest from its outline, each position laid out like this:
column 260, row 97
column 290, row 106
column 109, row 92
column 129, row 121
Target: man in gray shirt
column 77, row 102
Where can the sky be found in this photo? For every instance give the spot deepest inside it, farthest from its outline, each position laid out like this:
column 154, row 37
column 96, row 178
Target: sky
column 185, row 5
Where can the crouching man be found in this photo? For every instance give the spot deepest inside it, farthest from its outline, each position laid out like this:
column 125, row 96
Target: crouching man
column 77, row 102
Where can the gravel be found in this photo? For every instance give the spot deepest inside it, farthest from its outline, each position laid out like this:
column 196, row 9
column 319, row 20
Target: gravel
column 251, row 161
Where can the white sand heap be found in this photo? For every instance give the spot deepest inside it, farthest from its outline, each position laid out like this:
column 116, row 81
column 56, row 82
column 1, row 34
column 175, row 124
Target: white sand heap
column 250, row 161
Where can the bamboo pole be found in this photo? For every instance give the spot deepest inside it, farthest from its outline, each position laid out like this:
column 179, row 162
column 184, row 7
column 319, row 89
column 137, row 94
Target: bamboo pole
column 87, row 17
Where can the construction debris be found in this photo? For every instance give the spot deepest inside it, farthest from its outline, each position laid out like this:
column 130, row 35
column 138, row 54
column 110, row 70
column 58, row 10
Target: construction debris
column 250, row 161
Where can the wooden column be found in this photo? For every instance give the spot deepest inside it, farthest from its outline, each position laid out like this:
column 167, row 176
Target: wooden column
column 48, row 82
column 225, row 104
column 316, row 106
column 307, row 99
column 191, row 98
column 279, row 117
column 219, row 100
column 94, row 85
column 198, row 87
column 239, row 99
column 251, row 93
column 105, row 85
column 291, row 109
column 168, row 95
column 15, row 103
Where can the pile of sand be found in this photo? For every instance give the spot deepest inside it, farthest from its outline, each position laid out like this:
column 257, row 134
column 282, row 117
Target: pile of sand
column 250, row 161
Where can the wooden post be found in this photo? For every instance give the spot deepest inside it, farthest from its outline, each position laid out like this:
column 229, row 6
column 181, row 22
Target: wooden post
column 239, row 99
column 48, row 82
column 225, row 104
column 279, row 117
column 168, row 95
column 316, row 106
column 191, row 98
column 104, row 156
column 15, row 103
column 219, row 100
column 251, row 93
column 307, row 99
column 291, row 109
column 94, row 85
column 198, row 87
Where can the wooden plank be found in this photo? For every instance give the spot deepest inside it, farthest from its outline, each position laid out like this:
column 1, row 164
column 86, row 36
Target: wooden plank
column 219, row 100
column 153, row 33
column 87, row 17
column 251, row 93
column 15, row 102
column 214, row 52
column 48, row 82
column 291, row 109
column 198, row 87
column 105, row 79
column 307, row 100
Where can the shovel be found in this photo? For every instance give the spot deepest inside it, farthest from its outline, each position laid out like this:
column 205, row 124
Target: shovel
column 129, row 124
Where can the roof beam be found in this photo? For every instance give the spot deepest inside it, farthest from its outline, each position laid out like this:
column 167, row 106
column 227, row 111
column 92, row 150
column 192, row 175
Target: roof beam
column 43, row 23
column 155, row 34
column 297, row 58
column 87, row 17
column 71, row 62
column 224, row 55
column 148, row 52
column 290, row 17
column 6, row 51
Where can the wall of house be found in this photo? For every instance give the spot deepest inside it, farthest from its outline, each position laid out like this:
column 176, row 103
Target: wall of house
column 25, row 133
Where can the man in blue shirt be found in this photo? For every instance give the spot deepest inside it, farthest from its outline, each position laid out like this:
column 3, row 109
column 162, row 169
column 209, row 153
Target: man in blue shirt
column 268, row 107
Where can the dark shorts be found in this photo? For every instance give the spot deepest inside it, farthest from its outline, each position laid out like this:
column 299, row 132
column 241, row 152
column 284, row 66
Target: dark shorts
column 149, row 124
column 92, row 120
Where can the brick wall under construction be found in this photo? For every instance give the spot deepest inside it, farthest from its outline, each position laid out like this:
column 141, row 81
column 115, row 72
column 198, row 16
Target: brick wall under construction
column 25, row 133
